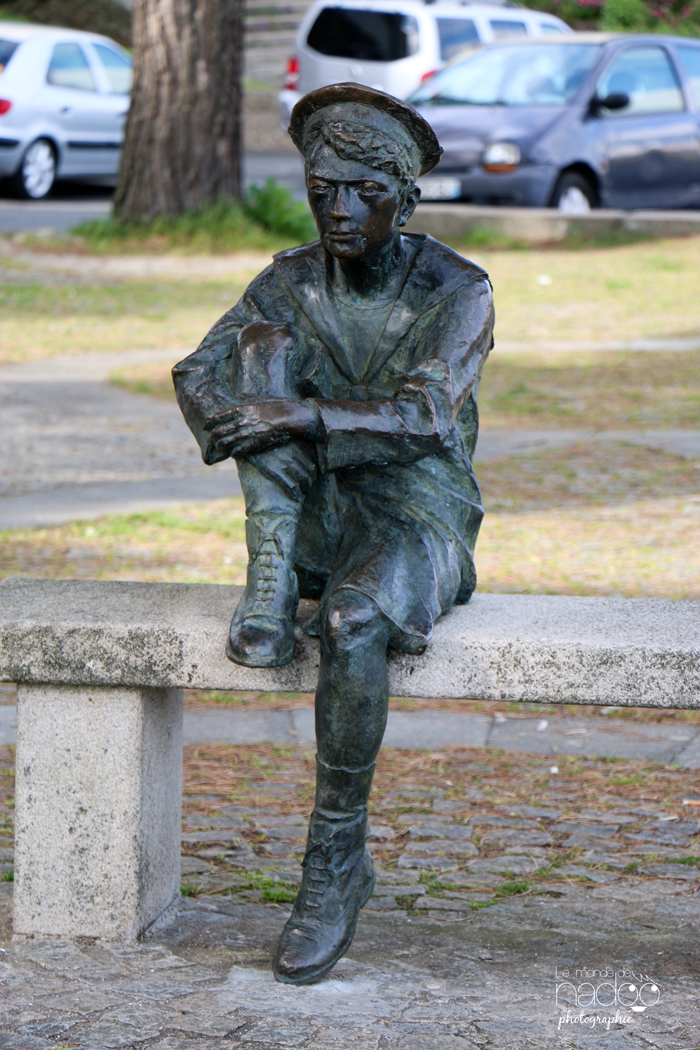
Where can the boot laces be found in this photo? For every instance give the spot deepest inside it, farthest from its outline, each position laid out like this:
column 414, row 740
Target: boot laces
column 267, row 560
column 318, row 874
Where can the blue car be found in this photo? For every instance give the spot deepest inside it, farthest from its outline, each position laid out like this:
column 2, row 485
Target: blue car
column 586, row 121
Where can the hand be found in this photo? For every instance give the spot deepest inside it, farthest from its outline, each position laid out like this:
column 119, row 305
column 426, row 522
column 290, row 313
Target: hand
column 258, row 425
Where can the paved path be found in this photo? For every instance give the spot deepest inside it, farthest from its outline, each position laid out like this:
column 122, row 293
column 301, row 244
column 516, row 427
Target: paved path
column 590, row 736
column 481, row 902
column 76, row 446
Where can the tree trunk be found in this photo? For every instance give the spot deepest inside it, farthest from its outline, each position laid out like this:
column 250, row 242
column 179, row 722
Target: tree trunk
column 183, row 135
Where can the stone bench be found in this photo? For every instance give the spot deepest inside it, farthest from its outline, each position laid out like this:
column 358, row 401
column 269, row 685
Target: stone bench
column 100, row 669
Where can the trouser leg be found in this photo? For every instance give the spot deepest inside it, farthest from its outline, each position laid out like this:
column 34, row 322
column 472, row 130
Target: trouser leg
column 351, row 711
column 275, row 484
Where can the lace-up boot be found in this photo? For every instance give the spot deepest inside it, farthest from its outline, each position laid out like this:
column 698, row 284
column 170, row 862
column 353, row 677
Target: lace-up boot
column 262, row 629
column 338, row 878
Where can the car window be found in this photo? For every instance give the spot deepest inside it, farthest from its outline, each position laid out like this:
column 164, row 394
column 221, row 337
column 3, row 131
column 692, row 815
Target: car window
column 504, row 27
column 545, row 74
column 690, row 61
column 455, row 35
column 547, row 29
column 647, row 76
column 371, row 36
column 118, row 67
column 7, row 50
column 69, row 68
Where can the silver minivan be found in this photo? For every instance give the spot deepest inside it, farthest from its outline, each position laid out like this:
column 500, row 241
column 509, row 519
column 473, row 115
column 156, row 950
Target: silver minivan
column 394, row 45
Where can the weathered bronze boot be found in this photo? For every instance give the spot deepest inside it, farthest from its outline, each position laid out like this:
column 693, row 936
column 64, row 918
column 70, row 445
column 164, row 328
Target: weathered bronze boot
column 262, row 629
column 338, row 879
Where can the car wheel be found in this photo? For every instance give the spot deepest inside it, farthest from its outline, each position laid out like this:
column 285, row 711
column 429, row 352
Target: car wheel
column 37, row 172
column 573, row 194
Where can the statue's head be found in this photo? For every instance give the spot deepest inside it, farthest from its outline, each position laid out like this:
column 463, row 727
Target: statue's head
column 363, row 151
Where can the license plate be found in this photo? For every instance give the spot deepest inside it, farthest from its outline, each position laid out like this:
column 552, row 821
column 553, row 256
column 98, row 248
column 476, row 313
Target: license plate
column 440, row 189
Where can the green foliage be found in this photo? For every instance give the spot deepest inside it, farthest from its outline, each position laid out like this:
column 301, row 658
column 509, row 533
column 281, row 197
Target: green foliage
column 267, row 219
column 630, row 15
column 94, row 16
column 9, row 875
column 187, row 889
column 274, row 208
column 512, row 888
column 627, row 16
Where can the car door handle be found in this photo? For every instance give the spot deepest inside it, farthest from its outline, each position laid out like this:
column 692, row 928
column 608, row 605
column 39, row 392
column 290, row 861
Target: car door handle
column 66, row 109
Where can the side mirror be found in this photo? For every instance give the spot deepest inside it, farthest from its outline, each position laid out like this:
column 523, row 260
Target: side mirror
column 618, row 100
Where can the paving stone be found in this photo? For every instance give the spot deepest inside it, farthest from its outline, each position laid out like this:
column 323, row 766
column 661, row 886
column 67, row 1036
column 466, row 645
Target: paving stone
column 221, row 838
column 610, row 859
column 407, row 860
column 452, row 903
column 470, row 881
column 441, row 831
column 409, row 889
column 435, row 1041
column 17, row 1041
column 380, row 833
column 496, row 821
column 449, row 806
column 193, row 866
column 195, row 821
column 279, row 849
column 388, row 878
column 584, row 841
column 547, row 812
column 671, row 871
column 382, row 904
column 606, row 818
column 581, row 872
column 291, row 834
column 518, row 838
column 443, row 848
column 519, row 865
column 600, row 831
column 277, row 1035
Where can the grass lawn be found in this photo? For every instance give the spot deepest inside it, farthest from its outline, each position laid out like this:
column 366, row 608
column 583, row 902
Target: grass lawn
column 596, row 519
column 633, row 291
column 52, row 320
column 615, row 391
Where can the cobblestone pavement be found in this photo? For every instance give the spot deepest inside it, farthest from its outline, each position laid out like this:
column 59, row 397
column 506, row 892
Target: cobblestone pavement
column 494, row 878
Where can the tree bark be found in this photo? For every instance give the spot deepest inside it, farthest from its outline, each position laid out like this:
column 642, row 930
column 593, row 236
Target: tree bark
column 182, row 147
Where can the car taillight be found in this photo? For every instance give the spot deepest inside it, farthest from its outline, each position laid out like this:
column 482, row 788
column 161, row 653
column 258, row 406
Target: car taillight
column 291, row 77
column 5, row 106
column 427, row 76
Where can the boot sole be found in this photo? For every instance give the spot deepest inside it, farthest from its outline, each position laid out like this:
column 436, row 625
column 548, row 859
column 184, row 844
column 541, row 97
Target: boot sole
column 249, row 661
column 312, row 976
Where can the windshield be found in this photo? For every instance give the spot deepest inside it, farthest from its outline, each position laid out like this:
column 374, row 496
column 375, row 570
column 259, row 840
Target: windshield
column 512, row 75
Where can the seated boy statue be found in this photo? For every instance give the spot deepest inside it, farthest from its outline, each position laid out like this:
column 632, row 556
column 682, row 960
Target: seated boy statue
column 344, row 385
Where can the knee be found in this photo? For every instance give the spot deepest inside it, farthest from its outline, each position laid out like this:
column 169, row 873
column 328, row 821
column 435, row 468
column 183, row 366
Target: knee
column 262, row 362
column 352, row 618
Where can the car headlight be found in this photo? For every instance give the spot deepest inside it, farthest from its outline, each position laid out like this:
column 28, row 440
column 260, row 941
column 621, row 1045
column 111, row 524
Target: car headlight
column 501, row 157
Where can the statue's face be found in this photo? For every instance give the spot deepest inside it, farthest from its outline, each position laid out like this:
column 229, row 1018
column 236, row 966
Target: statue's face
column 356, row 208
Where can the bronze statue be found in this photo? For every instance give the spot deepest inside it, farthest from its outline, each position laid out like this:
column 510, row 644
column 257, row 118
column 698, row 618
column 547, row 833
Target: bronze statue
column 344, row 384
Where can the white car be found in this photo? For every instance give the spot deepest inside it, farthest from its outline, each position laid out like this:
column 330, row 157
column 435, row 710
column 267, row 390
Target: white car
column 394, row 45
column 64, row 96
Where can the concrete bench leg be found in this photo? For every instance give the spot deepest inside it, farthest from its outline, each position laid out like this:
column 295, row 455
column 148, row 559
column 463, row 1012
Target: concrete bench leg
column 98, row 800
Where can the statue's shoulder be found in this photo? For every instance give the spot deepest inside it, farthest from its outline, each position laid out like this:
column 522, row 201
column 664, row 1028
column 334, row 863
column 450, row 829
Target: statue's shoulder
column 446, row 262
